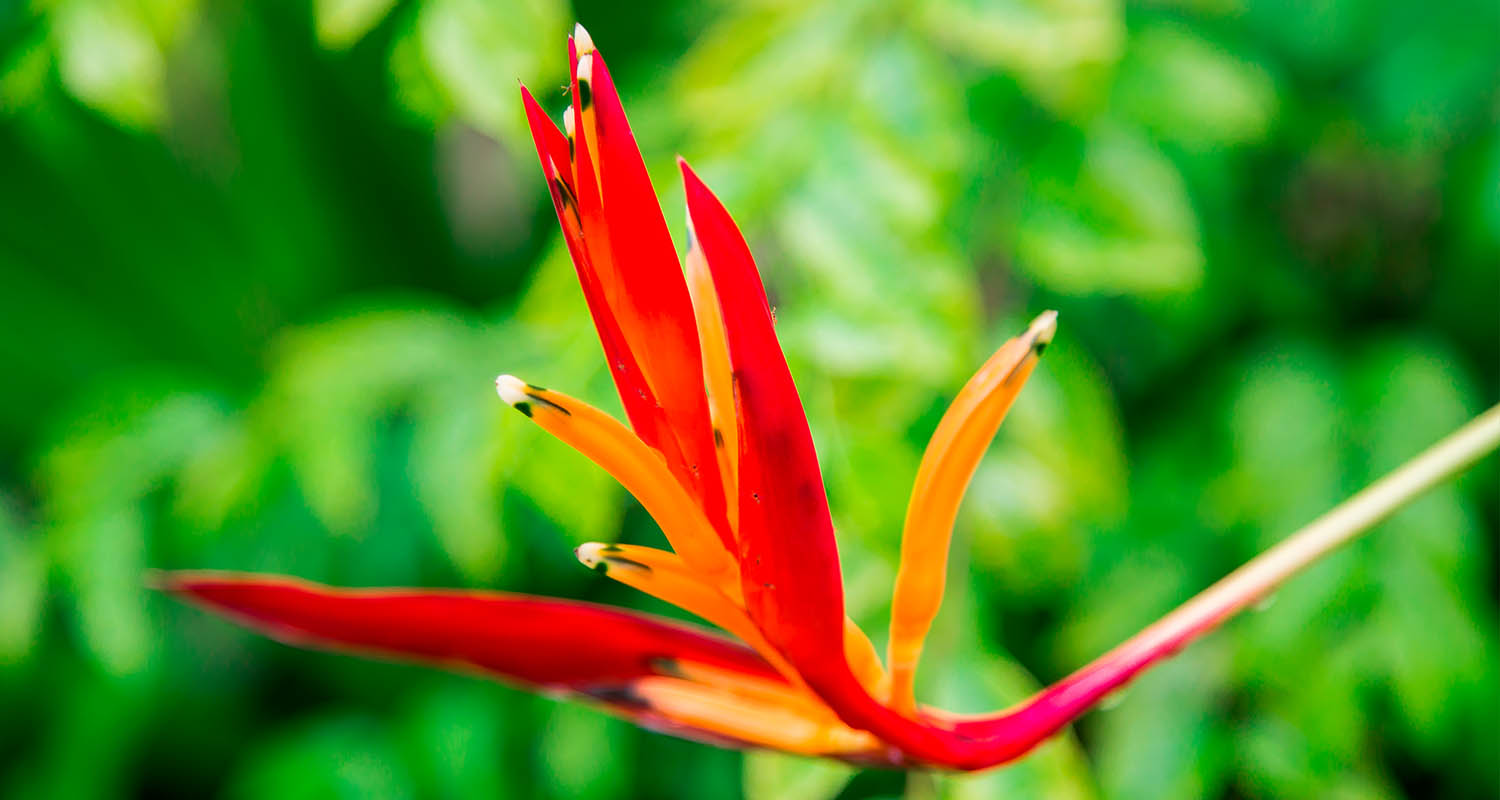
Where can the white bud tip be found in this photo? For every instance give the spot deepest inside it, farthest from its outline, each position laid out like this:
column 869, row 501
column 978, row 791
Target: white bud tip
column 589, row 554
column 1043, row 328
column 582, row 39
column 585, row 71
column 511, row 389
column 568, row 123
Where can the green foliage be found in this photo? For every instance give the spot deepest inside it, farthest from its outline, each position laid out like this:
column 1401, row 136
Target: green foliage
column 261, row 261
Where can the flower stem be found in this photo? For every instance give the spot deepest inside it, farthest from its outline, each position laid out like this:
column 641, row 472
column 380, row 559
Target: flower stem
column 1258, row 578
column 1014, row 732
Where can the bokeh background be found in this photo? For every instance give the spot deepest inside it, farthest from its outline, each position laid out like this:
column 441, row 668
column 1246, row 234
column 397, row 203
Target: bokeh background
column 261, row 260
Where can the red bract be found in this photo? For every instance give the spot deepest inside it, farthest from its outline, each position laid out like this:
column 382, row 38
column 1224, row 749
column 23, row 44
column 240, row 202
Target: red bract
column 719, row 453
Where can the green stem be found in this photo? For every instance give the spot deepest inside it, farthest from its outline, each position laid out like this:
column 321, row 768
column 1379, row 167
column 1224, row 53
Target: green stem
column 1259, row 577
column 1012, row 733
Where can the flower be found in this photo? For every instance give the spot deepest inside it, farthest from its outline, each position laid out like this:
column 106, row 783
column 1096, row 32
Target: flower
column 718, row 451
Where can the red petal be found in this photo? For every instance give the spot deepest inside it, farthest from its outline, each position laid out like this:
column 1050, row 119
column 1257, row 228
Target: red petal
column 645, row 286
column 551, row 143
column 661, row 675
column 576, row 200
column 789, row 560
column 788, row 557
column 539, row 641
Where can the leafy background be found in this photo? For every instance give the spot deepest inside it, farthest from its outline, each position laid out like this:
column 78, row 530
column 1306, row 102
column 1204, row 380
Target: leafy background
column 261, row 260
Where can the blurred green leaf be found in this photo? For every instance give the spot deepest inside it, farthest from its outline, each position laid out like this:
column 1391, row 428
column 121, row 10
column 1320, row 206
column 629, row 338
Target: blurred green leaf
column 1191, row 90
column 453, row 743
column 476, row 51
column 1060, row 51
column 341, row 23
column 770, row 776
column 109, row 58
column 335, row 757
column 582, row 753
column 23, row 582
column 1112, row 216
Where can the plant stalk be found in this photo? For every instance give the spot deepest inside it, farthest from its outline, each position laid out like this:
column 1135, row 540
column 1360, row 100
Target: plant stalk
column 1260, row 576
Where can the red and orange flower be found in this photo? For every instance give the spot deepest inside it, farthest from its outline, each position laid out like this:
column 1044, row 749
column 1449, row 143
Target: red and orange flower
column 719, row 452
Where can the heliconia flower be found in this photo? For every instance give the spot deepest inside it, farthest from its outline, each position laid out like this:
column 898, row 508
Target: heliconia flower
column 718, row 451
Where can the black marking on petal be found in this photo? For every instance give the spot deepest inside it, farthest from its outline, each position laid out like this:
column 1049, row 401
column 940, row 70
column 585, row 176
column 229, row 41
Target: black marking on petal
column 611, row 548
column 718, row 438
column 625, row 562
column 566, row 200
column 585, row 94
column 667, row 666
column 618, row 695
column 569, row 200
column 548, row 403
column 524, row 408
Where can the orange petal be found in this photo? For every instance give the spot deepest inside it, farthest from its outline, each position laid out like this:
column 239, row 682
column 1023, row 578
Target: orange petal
column 668, row 578
column 750, row 720
column 952, row 455
column 637, row 264
column 718, row 379
column 637, row 467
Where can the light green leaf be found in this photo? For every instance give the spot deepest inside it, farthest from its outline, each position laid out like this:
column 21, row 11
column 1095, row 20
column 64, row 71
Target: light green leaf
column 582, row 753
column 1192, row 90
column 774, row 776
column 109, row 59
column 342, row 23
column 23, row 584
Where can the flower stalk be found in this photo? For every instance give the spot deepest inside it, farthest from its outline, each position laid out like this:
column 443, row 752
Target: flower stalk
column 1258, row 578
column 1339, row 526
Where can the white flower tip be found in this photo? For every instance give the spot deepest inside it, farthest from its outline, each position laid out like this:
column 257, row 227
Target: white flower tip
column 1042, row 329
column 585, row 72
column 569, row 124
column 590, row 553
column 511, row 389
column 582, row 39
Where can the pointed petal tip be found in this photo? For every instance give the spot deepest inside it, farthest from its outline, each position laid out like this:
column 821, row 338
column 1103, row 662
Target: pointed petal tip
column 511, row 389
column 1042, row 329
column 582, row 39
column 589, row 554
column 607, row 558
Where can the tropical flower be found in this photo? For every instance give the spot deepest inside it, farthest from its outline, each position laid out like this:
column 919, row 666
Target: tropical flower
column 718, row 451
